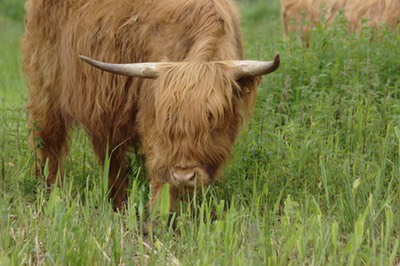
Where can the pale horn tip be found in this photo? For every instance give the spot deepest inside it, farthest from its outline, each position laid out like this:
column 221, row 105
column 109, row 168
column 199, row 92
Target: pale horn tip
column 88, row 60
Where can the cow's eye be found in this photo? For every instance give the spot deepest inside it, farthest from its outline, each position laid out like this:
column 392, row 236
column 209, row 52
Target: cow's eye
column 210, row 117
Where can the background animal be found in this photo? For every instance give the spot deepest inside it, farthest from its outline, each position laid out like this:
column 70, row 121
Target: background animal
column 375, row 12
column 303, row 15
column 184, row 116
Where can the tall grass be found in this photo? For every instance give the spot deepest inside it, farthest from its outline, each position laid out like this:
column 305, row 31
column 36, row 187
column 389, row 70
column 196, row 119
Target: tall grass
column 12, row 86
column 314, row 178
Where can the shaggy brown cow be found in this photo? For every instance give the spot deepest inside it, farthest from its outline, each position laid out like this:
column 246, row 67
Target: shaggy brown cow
column 183, row 115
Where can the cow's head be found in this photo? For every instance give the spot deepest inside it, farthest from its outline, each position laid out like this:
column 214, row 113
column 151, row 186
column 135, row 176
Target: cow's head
column 198, row 111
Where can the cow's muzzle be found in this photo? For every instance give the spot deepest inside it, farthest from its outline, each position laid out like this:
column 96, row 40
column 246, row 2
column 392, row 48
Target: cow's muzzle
column 184, row 176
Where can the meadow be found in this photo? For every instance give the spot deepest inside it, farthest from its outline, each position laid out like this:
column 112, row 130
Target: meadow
column 314, row 178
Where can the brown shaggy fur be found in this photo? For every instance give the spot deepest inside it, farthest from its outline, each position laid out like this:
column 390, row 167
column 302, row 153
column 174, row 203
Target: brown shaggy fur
column 376, row 12
column 301, row 15
column 188, row 117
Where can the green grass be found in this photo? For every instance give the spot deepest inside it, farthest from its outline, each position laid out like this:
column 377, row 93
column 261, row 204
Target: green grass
column 12, row 91
column 314, row 179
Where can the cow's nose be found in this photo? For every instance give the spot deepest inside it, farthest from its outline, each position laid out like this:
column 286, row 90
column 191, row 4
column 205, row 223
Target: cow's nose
column 184, row 175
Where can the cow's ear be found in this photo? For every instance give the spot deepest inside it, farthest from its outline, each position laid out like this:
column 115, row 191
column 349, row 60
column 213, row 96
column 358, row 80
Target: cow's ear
column 141, row 70
column 245, row 69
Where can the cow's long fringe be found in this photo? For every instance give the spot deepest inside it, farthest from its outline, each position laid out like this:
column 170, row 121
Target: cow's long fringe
column 194, row 99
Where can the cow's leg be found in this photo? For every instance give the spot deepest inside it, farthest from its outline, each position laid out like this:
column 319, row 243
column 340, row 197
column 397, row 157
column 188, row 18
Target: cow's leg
column 49, row 139
column 154, row 205
column 156, row 187
column 117, row 171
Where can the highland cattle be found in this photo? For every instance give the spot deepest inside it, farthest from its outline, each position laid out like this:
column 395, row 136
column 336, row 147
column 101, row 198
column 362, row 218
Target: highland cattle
column 178, row 92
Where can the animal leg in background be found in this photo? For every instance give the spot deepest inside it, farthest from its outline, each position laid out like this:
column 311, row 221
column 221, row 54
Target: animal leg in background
column 117, row 175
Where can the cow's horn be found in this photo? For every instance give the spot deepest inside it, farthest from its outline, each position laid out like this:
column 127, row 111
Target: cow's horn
column 243, row 69
column 142, row 70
